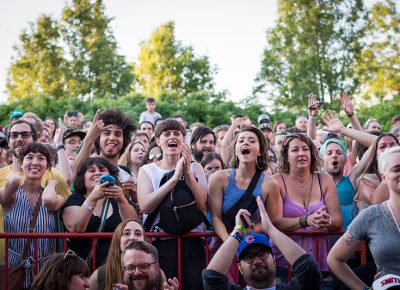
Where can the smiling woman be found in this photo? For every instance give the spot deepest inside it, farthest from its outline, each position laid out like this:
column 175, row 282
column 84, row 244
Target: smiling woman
column 20, row 202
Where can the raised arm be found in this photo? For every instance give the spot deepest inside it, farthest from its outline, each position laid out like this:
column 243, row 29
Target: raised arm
column 348, row 107
column 7, row 193
column 63, row 163
column 312, row 117
column 88, row 142
column 335, row 125
column 226, row 141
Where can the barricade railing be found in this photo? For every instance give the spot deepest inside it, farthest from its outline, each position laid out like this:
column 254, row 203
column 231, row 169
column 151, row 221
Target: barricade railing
column 35, row 236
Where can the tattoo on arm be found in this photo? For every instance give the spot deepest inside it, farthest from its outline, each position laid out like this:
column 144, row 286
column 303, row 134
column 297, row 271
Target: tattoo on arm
column 348, row 240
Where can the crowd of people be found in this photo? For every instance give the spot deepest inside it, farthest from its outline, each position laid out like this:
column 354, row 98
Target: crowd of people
column 263, row 187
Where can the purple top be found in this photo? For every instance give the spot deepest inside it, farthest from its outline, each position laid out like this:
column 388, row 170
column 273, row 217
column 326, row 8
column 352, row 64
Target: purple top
column 309, row 244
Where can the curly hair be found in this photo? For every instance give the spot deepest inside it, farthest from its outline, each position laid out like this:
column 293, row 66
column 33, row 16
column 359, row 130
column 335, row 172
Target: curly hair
column 283, row 161
column 262, row 160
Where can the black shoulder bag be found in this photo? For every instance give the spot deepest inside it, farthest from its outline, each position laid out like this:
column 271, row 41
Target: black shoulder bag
column 247, row 201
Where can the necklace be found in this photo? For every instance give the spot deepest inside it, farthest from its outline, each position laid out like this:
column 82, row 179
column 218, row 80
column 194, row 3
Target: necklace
column 299, row 185
column 394, row 218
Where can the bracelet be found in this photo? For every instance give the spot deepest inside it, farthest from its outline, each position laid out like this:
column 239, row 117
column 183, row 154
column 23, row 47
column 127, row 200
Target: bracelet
column 303, row 221
column 241, row 229
column 367, row 288
column 87, row 205
column 238, row 237
column 350, row 115
column 59, row 147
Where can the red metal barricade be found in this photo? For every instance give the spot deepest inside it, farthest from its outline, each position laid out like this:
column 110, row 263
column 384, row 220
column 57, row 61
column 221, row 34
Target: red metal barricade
column 94, row 236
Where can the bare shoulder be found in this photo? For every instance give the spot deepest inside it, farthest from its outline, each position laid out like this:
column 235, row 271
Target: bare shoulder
column 220, row 177
column 326, row 179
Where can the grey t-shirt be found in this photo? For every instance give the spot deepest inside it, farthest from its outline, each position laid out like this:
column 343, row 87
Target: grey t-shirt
column 376, row 225
column 149, row 117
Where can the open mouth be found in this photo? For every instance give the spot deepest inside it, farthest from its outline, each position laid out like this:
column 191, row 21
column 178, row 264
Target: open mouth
column 110, row 147
column 335, row 163
column 245, row 151
column 172, row 145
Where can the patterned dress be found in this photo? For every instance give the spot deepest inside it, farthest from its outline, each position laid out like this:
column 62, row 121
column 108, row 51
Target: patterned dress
column 17, row 220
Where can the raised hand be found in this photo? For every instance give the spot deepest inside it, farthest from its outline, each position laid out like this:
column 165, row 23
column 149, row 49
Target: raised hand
column 187, row 155
column 332, row 121
column 347, row 105
column 266, row 223
column 96, row 128
column 171, row 284
column 313, row 106
column 59, row 134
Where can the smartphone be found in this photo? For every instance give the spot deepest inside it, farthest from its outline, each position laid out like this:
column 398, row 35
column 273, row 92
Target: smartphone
column 244, row 221
column 108, row 178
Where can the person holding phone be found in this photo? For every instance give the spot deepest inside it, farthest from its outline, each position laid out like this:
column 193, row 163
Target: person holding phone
column 83, row 209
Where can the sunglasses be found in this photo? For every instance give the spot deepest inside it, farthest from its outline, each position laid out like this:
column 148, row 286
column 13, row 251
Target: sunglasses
column 157, row 156
column 69, row 253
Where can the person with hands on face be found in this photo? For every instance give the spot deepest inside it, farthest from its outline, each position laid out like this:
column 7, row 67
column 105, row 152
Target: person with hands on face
column 82, row 211
column 307, row 200
column 256, row 261
column 170, row 136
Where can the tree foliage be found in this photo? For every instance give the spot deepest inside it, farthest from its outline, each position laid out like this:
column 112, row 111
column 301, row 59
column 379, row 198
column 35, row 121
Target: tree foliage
column 311, row 50
column 167, row 66
column 74, row 56
column 379, row 67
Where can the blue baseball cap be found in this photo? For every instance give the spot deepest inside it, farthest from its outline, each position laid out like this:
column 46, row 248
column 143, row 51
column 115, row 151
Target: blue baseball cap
column 253, row 239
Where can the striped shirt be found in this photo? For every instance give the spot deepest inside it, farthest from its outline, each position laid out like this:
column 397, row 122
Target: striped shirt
column 17, row 220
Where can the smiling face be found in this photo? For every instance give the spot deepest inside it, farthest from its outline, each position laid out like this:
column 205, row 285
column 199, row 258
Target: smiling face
column 299, row 155
column 247, row 147
column 34, row 165
column 204, row 145
column 137, row 154
column 132, row 232
column 111, row 141
column 18, row 143
column 171, row 142
column 92, row 175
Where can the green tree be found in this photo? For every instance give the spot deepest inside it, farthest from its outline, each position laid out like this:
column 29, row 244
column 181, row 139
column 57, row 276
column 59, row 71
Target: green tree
column 97, row 69
column 311, row 49
column 75, row 56
column 166, row 66
column 39, row 67
column 379, row 67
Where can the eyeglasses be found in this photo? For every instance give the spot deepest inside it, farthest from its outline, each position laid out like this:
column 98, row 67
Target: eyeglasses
column 249, row 258
column 130, row 269
column 152, row 157
column 24, row 135
column 68, row 254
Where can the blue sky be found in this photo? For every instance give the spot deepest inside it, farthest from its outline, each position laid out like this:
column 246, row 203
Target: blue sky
column 231, row 33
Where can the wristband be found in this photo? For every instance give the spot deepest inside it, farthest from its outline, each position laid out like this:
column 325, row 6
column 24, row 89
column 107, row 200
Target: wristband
column 367, row 288
column 238, row 237
column 59, row 147
column 303, row 221
column 87, row 205
column 241, row 229
column 351, row 115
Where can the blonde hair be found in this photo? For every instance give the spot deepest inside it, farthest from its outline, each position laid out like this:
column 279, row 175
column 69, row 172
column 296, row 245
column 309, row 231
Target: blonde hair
column 125, row 159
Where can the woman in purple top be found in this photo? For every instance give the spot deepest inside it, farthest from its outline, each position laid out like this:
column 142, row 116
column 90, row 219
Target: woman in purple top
column 307, row 200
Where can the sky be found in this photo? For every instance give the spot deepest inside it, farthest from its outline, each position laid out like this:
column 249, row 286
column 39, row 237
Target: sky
column 230, row 32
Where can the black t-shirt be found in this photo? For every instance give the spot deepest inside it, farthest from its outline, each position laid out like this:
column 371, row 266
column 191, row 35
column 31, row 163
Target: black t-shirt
column 82, row 246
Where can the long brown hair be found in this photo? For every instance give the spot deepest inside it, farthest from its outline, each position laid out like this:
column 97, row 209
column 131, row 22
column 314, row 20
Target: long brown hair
column 112, row 265
column 283, row 162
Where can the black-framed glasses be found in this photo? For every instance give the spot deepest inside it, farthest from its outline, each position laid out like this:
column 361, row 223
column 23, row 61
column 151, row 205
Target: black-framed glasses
column 130, row 269
column 24, row 135
column 69, row 253
column 73, row 142
column 249, row 258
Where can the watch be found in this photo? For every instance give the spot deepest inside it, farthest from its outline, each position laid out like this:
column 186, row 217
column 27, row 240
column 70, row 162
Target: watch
column 237, row 236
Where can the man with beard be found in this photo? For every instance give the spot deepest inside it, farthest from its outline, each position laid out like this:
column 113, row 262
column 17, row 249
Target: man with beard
column 141, row 270
column 20, row 134
column 256, row 261
column 334, row 155
column 203, row 141
column 109, row 135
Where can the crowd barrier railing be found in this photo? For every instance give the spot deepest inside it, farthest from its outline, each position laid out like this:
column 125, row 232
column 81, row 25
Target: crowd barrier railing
column 150, row 236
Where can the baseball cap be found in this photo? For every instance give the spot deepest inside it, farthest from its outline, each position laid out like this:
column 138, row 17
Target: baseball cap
column 388, row 281
column 73, row 132
column 16, row 114
column 265, row 126
column 253, row 239
column 322, row 150
column 263, row 118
